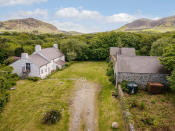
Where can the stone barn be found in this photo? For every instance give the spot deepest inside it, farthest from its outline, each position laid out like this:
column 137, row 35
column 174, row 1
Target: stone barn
column 140, row 69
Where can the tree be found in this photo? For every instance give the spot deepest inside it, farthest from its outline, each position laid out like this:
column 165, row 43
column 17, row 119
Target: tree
column 171, row 80
column 74, row 49
column 18, row 51
column 7, row 80
column 145, row 43
column 168, row 59
column 100, row 44
column 3, row 55
column 159, row 45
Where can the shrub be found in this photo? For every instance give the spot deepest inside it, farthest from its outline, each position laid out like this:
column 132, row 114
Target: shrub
column 153, row 102
column 123, row 85
column 69, row 63
column 133, row 104
column 3, row 99
column 18, row 51
column 33, row 78
column 141, row 106
column 108, row 59
column 110, row 72
column 147, row 119
column 51, row 117
column 10, row 60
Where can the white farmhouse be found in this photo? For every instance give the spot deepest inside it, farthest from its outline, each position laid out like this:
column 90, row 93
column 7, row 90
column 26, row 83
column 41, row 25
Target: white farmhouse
column 39, row 64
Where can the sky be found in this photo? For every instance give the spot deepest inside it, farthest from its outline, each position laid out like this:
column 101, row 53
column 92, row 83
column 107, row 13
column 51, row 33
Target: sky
column 86, row 16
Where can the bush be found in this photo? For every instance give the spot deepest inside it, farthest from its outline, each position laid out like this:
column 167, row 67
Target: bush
column 10, row 60
column 33, row 79
column 69, row 63
column 141, row 106
column 147, row 119
column 7, row 80
column 18, row 51
column 110, row 72
column 171, row 80
column 123, row 85
column 3, row 100
column 153, row 102
column 133, row 104
column 51, row 117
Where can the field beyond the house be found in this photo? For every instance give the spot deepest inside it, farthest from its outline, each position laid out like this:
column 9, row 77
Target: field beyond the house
column 30, row 100
column 152, row 112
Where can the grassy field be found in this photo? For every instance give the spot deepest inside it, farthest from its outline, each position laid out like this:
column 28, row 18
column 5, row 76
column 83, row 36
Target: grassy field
column 31, row 100
column 152, row 112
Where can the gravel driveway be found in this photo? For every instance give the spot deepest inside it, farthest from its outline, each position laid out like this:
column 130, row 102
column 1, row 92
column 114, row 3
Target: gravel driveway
column 84, row 106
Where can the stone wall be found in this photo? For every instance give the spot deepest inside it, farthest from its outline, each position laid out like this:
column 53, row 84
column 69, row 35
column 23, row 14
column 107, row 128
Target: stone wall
column 141, row 78
column 129, row 123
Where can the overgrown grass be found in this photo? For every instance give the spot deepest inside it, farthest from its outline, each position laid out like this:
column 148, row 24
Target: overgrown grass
column 31, row 100
column 152, row 112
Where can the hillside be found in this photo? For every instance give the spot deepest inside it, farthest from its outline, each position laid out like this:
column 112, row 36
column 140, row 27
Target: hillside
column 161, row 25
column 72, row 33
column 28, row 25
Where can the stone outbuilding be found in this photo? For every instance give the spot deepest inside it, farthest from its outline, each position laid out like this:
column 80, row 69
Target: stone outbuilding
column 140, row 69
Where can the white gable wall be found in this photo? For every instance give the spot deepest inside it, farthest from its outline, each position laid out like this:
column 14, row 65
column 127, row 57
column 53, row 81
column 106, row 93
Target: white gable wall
column 18, row 66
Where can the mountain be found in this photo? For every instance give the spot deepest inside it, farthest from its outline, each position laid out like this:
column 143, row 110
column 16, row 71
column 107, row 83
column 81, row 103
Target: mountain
column 161, row 25
column 28, row 25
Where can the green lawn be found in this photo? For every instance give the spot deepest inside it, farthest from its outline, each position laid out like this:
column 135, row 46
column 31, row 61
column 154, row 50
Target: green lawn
column 31, row 100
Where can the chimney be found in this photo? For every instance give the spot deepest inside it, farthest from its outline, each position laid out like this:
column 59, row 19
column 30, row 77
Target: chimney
column 55, row 46
column 37, row 48
column 24, row 56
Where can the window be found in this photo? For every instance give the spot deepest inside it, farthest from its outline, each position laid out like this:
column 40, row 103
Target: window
column 28, row 66
column 49, row 70
column 41, row 71
column 46, row 70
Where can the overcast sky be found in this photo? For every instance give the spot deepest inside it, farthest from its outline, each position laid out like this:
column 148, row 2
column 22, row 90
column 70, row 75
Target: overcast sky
column 86, row 15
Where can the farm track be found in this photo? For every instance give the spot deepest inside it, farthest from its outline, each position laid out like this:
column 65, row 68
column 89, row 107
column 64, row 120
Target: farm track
column 84, row 106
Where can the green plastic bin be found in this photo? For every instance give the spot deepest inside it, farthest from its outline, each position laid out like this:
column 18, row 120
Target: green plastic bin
column 132, row 87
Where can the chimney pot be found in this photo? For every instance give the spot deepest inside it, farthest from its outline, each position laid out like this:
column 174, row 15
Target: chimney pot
column 24, row 56
column 55, row 46
column 37, row 48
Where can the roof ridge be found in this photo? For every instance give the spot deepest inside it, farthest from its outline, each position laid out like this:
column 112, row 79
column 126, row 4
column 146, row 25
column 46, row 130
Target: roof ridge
column 44, row 57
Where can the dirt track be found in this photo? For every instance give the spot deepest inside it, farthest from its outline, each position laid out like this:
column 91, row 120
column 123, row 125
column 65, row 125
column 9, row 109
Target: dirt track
column 84, row 106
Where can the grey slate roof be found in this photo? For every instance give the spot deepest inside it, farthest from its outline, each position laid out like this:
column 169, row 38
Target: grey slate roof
column 48, row 53
column 51, row 53
column 122, row 51
column 38, row 60
column 139, row 64
column 60, row 62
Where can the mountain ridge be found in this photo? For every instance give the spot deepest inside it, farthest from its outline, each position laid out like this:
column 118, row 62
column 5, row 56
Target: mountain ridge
column 144, row 24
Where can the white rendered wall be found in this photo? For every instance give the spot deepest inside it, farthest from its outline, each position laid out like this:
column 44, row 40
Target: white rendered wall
column 46, row 70
column 18, row 66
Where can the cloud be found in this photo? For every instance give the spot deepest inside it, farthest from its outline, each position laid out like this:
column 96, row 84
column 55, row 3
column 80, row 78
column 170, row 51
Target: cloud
column 81, row 14
column 37, row 13
column 121, row 18
column 86, row 21
column 19, row 2
column 156, row 18
column 71, row 26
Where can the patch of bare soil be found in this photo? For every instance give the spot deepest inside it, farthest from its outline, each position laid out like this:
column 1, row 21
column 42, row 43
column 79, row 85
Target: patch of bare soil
column 84, row 106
